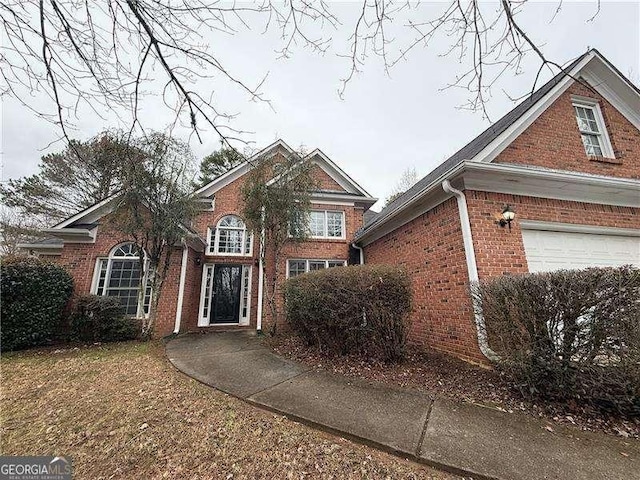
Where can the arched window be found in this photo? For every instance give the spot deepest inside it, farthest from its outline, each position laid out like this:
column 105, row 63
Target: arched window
column 119, row 275
column 230, row 237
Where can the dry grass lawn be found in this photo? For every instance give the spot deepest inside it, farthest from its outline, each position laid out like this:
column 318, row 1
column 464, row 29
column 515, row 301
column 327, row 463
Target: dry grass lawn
column 122, row 411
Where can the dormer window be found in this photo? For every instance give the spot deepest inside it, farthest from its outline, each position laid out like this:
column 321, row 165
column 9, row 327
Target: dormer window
column 230, row 237
column 592, row 129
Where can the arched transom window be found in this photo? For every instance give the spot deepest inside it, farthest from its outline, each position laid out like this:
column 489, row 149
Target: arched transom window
column 230, row 237
column 119, row 275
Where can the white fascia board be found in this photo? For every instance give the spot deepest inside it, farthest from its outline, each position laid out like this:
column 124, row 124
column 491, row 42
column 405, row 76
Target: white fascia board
column 555, row 184
column 40, row 246
column 84, row 213
column 239, row 170
column 502, row 176
column 566, row 175
column 426, row 203
column 410, row 204
column 328, row 197
column 339, row 175
column 599, row 75
column 491, row 151
column 625, row 103
column 73, row 235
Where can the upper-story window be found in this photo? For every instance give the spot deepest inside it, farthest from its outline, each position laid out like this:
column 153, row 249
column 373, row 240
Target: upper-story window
column 592, row 129
column 119, row 275
column 326, row 224
column 230, row 237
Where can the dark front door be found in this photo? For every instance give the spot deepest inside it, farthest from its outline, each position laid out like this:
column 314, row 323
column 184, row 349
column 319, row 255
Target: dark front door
column 226, row 294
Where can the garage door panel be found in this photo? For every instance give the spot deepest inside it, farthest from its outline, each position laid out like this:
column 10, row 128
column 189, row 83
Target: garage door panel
column 548, row 250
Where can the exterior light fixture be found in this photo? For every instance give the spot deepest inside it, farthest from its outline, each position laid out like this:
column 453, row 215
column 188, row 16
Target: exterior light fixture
column 507, row 217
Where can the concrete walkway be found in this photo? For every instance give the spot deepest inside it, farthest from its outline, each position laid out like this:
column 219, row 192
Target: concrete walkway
column 462, row 438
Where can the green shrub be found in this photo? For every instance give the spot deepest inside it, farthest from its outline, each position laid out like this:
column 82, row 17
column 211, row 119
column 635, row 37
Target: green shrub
column 101, row 319
column 33, row 296
column 357, row 309
column 570, row 335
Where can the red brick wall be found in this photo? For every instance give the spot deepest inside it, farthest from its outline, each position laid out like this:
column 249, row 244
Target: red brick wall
column 228, row 200
column 316, row 249
column 324, row 181
column 430, row 247
column 191, row 299
column 553, row 140
column 500, row 250
column 79, row 259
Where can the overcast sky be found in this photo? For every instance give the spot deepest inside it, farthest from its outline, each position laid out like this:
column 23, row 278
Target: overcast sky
column 385, row 123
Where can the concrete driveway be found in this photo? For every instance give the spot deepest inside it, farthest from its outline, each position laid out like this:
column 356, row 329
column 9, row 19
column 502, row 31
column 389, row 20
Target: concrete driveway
column 462, row 438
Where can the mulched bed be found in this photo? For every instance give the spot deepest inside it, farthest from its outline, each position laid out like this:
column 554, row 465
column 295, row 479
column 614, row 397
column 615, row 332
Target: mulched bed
column 438, row 374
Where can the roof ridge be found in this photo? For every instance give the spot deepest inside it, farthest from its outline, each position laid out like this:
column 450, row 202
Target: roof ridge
column 479, row 142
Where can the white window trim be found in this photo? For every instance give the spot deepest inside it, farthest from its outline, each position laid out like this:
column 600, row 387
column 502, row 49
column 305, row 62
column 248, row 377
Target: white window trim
column 216, row 244
column 109, row 258
column 594, row 105
column 325, row 235
column 307, row 260
column 204, row 321
column 245, row 320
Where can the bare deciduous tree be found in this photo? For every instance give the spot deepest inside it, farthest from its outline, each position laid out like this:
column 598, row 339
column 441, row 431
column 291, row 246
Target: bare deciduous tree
column 155, row 209
column 104, row 55
column 408, row 178
column 277, row 201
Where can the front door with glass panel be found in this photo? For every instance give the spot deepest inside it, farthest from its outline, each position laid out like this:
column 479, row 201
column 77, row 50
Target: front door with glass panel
column 225, row 305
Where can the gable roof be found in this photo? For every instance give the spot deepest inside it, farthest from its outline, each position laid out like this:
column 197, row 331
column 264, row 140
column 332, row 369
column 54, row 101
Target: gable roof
column 316, row 156
column 483, row 142
column 86, row 219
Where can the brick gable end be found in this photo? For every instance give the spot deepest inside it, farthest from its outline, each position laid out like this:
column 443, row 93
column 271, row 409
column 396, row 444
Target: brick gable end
column 553, row 140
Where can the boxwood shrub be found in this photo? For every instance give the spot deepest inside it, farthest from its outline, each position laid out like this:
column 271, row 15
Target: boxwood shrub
column 101, row 319
column 33, row 296
column 360, row 309
column 569, row 335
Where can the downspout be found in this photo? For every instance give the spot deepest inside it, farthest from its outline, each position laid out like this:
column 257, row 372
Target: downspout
column 183, row 277
column 260, row 280
column 472, row 268
column 361, row 252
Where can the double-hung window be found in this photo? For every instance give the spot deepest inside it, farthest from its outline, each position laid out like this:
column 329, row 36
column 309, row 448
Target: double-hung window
column 119, row 275
column 326, row 224
column 230, row 237
column 300, row 266
column 592, row 129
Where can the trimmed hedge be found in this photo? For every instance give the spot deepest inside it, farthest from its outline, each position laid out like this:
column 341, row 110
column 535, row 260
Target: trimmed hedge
column 102, row 319
column 569, row 335
column 357, row 309
column 33, row 295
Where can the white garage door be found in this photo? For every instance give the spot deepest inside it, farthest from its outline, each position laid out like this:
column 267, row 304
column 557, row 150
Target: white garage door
column 552, row 250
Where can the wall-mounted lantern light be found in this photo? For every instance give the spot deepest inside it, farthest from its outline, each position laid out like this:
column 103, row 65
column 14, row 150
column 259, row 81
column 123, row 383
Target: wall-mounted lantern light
column 507, row 217
column 198, row 261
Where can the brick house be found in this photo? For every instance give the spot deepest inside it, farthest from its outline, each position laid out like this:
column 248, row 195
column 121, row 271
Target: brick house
column 214, row 280
column 565, row 161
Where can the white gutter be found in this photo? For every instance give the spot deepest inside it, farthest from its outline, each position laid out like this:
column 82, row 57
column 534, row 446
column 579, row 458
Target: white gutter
column 472, row 268
column 361, row 252
column 260, row 280
column 183, row 276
